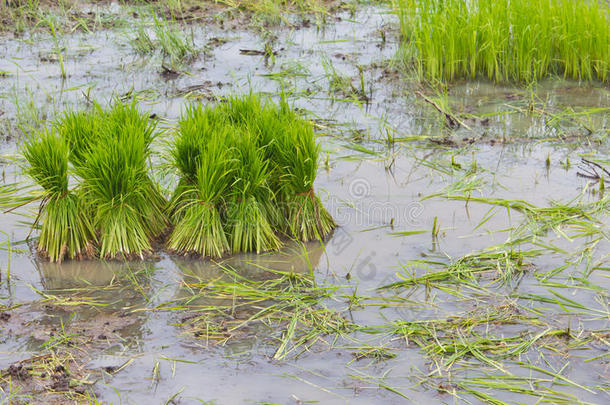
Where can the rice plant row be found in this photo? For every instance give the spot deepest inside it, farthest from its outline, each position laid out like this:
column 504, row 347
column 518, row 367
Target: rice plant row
column 506, row 40
column 245, row 167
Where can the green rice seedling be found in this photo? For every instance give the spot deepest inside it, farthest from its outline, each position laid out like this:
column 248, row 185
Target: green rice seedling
column 66, row 229
column 80, row 130
column 288, row 144
column 250, row 165
column 142, row 42
column 200, row 228
column 171, row 43
column 297, row 157
column 116, row 192
column 506, row 40
column 248, row 223
column 109, row 151
column 19, row 15
column 128, row 206
column 197, row 126
column 176, row 46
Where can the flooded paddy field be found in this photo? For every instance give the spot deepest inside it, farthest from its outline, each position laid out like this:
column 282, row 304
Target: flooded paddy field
column 470, row 262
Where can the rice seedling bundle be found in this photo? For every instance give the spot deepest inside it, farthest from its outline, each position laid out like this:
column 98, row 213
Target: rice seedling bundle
column 246, row 171
column 250, row 214
column 66, row 230
column 287, row 142
column 296, row 156
column 250, row 166
column 114, row 204
column 506, row 40
column 203, row 161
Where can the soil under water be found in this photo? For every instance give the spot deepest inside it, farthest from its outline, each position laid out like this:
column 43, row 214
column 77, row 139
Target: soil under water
column 120, row 331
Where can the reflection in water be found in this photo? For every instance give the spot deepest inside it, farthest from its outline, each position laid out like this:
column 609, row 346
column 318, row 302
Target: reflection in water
column 87, row 273
column 295, row 257
column 91, row 303
column 98, row 285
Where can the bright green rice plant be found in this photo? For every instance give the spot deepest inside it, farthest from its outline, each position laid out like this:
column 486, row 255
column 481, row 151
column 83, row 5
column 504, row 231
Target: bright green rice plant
column 296, row 155
column 251, row 205
column 127, row 207
column 197, row 125
column 66, row 230
column 207, row 175
column 286, row 143
column 80, row 130
column 264, row 123
column 506, row 40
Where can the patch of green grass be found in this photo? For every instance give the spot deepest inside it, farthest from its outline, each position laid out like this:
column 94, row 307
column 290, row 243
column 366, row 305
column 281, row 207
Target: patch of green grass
column 502, row 40
column 339, row 83
column 276, row 11
column 19, row 15
column 174, row 46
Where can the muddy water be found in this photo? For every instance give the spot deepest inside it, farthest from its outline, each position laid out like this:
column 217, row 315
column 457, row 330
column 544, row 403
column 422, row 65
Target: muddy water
column 371, row 194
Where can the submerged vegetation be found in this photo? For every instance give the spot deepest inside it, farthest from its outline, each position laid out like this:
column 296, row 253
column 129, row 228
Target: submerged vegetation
column 502, row 40
column 246, row 170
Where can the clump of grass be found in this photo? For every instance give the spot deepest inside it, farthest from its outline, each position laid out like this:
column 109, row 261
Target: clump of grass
column 275, row 12
column 287, row 143
column 172, row 44
column 296, row 156
column 127, row 206
column 502, row 40
column 66, row 229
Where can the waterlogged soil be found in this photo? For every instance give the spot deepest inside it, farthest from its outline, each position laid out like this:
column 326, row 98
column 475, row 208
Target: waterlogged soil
column 410, row 192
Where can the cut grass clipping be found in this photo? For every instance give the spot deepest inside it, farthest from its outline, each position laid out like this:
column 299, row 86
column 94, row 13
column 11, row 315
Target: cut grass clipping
column 114, row 207
column 246, row 171
column 506, row 40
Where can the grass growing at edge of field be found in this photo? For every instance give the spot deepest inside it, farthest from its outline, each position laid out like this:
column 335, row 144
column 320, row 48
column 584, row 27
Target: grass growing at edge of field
column 502, row 40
